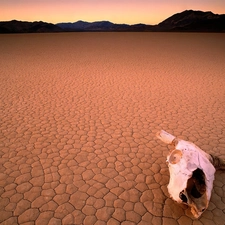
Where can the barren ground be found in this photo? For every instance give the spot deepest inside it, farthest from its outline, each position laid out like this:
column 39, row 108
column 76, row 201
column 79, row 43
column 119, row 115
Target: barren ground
column 78, row 117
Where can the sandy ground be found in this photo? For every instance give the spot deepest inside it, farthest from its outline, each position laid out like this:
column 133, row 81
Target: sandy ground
column 78, row 117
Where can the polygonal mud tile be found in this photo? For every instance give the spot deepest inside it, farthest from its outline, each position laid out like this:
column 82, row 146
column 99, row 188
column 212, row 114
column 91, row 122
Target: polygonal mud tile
column 60, row 189
column 104, row 213
column 44, row 217
column 24, row 187
column 22, row 206
column 63, row 210
column 68, row 219
column 49, row 206
column 62, row 198
column 78, row 199
column 5, row 215
column 99, row 203
column 133, row 217
column 89, row 210
column 28, row 216
column 55, row 221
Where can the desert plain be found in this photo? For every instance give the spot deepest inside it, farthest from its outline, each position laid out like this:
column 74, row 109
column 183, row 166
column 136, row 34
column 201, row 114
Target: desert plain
column 78, row 117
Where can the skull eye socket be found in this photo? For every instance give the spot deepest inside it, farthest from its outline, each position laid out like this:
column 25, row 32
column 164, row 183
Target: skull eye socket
column 175, row 156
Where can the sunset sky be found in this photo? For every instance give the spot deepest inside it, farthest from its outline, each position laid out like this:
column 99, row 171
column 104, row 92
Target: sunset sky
column 117, row 11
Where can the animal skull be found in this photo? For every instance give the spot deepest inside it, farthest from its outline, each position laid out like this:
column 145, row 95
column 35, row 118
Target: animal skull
column 191, row 173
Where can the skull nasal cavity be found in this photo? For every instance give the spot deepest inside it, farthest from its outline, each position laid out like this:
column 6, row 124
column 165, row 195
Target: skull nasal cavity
column 183, row 197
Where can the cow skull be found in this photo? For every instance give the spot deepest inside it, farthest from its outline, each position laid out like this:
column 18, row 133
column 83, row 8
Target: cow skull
column 191, row 173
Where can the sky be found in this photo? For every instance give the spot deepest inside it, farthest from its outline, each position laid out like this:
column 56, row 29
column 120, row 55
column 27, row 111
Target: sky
column 117, row 11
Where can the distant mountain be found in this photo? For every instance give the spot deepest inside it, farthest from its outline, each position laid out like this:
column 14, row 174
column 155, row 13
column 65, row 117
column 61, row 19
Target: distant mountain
column 86, row 26
column 102, row 26
column 15, row 26
column 191, row 20
column 186, row 21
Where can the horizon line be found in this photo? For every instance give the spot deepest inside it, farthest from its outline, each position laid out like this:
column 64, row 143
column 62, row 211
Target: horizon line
column 81, row 20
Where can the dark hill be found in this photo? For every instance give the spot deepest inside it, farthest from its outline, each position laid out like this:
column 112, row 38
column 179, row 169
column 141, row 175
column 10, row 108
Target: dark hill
column 94, row 26
column 190, row 20
column 15, row 26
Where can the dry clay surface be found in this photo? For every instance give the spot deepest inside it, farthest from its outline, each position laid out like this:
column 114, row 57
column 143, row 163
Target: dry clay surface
column 78, row 117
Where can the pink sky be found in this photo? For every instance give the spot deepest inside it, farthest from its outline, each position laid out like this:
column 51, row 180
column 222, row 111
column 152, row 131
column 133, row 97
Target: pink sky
column 117, row 11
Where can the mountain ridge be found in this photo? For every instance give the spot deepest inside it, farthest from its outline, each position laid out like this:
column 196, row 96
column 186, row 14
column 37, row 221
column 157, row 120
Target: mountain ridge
column 15, row 26
column 186, row 21
column 191, row 20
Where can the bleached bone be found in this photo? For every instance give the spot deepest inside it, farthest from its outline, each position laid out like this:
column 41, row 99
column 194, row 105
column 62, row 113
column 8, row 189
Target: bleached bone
column 191, row 173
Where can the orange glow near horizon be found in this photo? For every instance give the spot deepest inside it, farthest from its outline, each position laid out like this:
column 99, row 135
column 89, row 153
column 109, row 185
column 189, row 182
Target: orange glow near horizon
column 116, row 11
